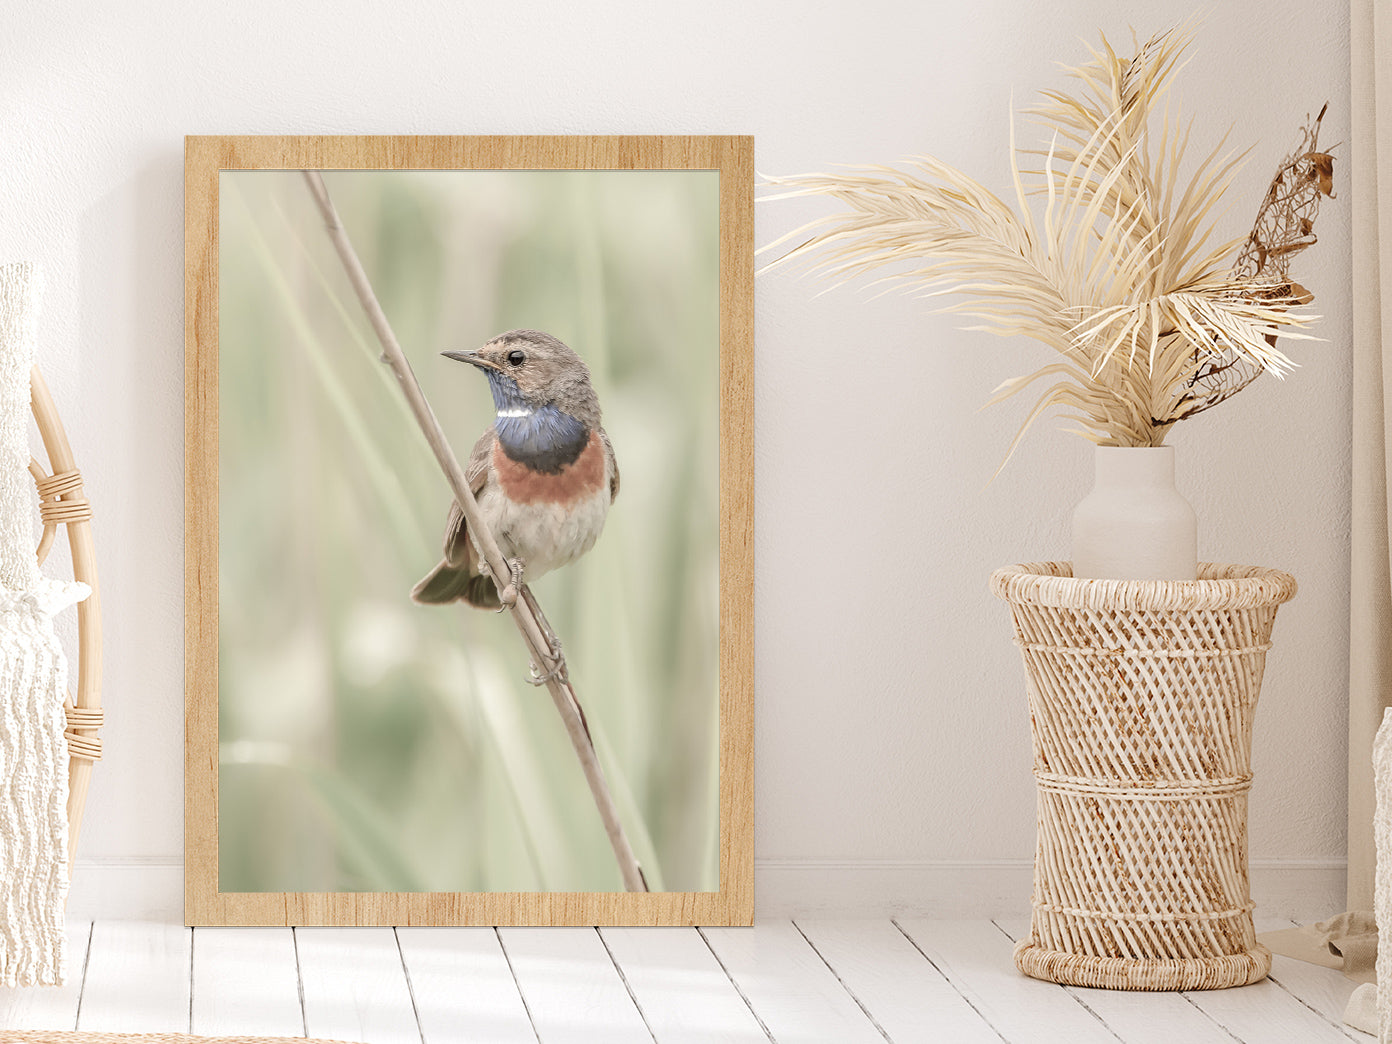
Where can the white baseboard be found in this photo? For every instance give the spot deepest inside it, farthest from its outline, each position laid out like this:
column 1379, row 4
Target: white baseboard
column 127, row 890
column 886, row 888
column 1299, row 889
column 153, row 890
column 1302, row 890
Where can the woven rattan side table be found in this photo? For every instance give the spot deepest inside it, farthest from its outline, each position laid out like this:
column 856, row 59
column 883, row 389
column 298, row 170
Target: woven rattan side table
column 1141, row 697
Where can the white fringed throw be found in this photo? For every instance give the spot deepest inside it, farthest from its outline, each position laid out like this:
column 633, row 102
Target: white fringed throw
column 33, row 680
column 1382, row 882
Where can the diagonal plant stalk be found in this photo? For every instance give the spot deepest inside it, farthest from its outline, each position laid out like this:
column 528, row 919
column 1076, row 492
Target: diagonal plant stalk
column 562, row 692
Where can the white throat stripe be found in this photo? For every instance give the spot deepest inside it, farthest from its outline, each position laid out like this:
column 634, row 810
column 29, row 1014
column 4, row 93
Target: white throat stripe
column 518, row 412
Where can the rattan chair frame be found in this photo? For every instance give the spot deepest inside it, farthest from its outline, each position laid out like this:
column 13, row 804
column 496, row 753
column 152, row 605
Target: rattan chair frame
column 63, row 502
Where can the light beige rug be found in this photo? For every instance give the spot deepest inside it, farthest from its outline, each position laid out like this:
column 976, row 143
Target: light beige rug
column 1347, row 943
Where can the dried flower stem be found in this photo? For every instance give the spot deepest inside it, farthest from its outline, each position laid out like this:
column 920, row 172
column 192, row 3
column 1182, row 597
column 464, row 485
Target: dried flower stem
column 522, row 610
column 1285, row 225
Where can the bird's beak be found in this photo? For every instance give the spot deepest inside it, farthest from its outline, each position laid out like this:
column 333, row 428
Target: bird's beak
column 472, row 358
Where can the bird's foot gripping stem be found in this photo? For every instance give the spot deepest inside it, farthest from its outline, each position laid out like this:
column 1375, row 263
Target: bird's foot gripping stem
column 557, row 673
column 507, row 594
column 558, row 670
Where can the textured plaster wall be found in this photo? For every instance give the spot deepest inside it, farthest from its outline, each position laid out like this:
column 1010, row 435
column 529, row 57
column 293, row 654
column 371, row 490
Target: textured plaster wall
column 893, row 750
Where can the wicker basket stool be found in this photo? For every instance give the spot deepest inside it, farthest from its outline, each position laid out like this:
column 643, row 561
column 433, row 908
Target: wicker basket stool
column 1141, row 696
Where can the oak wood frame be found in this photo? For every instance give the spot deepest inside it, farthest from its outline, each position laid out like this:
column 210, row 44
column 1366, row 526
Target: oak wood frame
column 733, row 158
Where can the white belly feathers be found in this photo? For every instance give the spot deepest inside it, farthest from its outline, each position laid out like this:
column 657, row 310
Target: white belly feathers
column 545, row 536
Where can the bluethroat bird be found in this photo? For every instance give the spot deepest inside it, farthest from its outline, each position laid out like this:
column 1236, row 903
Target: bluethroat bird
column 543, row 473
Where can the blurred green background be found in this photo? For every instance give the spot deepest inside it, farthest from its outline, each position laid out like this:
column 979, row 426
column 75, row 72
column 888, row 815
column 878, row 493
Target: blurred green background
column 369, row 744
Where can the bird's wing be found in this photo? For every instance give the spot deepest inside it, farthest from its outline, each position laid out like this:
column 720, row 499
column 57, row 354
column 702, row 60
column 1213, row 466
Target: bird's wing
column 613, row 465
column 458, row 547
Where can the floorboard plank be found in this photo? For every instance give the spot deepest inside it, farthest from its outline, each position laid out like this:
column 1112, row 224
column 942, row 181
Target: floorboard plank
column 1325, row 990
column 682, row 991
column 246, row 981
column 137, row 979
column 355, row 986
column 572, row 989
column 905, row 995
column 1140, row 1017
column 463, row 987
column 814, row 981
column 1266, row 1014
column 50, row 1007
column 977, row 958
column 792, row 991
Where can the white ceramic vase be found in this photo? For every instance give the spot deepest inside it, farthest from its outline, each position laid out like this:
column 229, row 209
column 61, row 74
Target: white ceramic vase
column 1134, row 525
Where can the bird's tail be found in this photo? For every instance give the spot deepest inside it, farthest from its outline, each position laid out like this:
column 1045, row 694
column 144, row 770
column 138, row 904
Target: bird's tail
column 448, row 583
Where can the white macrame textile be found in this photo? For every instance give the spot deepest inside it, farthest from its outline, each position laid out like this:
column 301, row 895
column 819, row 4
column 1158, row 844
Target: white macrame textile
column 33, row 680
column 1382, row 882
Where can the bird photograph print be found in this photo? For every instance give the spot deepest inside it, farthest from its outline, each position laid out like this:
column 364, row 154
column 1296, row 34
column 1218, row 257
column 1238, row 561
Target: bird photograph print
column 391, row 660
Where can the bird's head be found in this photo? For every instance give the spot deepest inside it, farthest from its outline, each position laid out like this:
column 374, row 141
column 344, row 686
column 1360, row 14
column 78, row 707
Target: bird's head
column 528, row 369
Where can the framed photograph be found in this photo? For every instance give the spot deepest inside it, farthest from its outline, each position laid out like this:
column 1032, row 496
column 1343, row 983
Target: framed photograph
column 366, row 740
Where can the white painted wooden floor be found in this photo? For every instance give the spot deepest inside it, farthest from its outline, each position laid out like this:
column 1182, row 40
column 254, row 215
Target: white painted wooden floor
column 821, row 981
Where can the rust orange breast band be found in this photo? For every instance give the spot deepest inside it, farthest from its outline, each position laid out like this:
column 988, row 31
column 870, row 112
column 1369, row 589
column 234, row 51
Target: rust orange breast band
column 581, row 478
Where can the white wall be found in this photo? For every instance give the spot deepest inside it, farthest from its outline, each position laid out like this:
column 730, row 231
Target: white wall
column 893, row 756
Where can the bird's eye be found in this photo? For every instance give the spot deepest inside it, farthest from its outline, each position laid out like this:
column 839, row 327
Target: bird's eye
column 516, row 358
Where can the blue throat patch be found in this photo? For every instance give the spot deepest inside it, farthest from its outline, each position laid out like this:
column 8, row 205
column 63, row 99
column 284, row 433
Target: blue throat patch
column 542, row 437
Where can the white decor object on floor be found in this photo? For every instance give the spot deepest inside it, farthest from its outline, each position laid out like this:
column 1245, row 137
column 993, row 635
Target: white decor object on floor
column 33, row 680
column 1382, row 885
column 1361, row 1011
column 1134, row 525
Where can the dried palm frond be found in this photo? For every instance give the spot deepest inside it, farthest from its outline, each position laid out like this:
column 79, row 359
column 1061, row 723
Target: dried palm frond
column 1119, row 273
